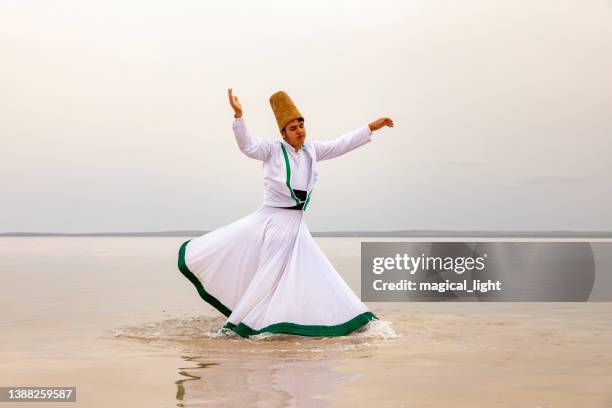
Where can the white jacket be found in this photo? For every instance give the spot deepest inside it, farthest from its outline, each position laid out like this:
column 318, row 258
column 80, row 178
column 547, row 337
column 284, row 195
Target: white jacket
column 276, row 165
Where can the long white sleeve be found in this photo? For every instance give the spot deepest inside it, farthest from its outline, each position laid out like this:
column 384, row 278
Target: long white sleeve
column 252, row 147
column 342, row 144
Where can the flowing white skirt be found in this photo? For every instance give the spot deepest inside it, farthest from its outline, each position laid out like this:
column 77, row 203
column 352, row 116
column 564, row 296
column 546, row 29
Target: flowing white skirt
column 266, row 273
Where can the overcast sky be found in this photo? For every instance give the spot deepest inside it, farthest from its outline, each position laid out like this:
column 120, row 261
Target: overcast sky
column 114, row 115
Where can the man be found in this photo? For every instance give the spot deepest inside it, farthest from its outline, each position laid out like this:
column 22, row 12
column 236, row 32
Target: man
column 265, row 272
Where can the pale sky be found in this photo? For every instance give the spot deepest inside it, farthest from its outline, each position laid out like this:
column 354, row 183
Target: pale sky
column 114, row 115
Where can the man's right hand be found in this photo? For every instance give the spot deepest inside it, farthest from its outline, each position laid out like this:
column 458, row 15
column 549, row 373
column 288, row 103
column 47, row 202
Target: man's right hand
column 233, row 100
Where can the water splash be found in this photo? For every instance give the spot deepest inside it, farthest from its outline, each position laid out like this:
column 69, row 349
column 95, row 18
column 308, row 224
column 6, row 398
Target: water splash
column 205, row 332
column 378, row 329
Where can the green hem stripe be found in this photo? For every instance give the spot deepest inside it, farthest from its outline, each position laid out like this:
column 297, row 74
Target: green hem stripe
column 279, row 328
column 213, row 301
column 305, row 330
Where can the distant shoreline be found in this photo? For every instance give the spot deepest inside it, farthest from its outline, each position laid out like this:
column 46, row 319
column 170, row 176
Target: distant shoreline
column 389, row 234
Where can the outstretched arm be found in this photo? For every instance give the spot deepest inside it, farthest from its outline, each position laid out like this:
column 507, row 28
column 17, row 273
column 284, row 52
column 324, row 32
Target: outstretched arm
column 252, row 147
column 349, row 141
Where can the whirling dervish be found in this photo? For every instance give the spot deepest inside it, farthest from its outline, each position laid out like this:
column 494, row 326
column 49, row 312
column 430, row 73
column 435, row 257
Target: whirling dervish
column 265, row 272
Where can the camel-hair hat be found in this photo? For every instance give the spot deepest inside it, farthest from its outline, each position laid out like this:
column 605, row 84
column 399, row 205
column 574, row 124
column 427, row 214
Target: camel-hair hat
column 284, row 109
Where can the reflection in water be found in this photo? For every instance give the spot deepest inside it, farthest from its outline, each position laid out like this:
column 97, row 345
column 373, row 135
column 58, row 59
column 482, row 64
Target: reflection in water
column 266, row 370
column 255, row 381
column 180, row 388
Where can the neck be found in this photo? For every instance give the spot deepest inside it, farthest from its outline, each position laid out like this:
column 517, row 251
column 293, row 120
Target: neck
column 295, row 147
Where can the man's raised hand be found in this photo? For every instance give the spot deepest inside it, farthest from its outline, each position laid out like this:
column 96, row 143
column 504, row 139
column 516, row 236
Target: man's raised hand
column 233, row 100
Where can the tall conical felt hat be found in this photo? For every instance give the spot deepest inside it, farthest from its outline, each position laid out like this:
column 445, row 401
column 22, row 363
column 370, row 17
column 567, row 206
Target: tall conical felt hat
column 284, row 109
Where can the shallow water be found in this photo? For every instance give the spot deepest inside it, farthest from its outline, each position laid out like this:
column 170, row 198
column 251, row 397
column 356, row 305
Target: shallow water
column 267, row 369
column 115, row 317
column 193, row 334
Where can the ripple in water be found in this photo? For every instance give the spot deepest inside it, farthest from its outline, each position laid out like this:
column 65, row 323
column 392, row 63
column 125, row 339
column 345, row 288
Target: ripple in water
column 204, row 332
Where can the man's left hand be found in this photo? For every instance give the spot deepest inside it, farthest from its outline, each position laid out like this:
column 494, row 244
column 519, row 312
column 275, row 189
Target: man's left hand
column 379, row 123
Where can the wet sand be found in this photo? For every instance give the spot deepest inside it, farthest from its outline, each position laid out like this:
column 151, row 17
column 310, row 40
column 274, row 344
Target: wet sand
column 114, row 317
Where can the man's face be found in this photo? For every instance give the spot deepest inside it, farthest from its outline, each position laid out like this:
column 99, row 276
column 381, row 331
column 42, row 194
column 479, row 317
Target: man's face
column 295, row 133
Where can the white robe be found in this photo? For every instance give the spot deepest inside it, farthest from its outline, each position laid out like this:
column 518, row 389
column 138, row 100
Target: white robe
column 275, row 163
column 265, row 272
